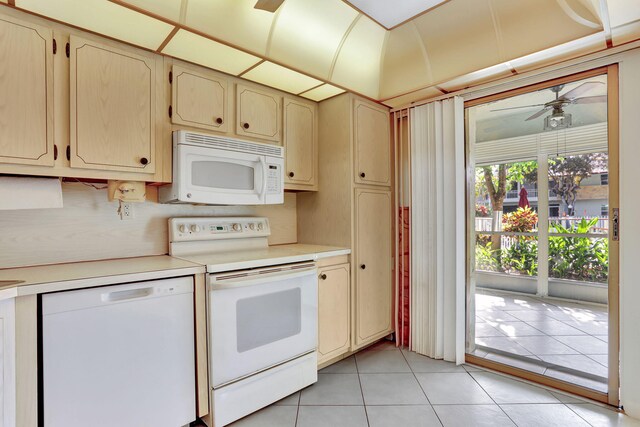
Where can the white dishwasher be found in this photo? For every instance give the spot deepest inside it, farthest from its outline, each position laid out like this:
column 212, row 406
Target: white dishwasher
column 120, row 355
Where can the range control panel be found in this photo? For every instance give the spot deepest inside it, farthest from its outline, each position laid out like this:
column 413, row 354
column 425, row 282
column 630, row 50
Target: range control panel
column 214, row 228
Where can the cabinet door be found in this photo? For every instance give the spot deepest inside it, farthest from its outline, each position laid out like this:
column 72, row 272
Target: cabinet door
column 372, row 144
column 26, row 93
column 258, row 113
column 374, row 286
column 199, row 99
column 300, row 143
column 112, row 108
column 333, row 311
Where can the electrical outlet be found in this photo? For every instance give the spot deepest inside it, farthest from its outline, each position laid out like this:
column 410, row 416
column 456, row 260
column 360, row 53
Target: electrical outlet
column 126, row 211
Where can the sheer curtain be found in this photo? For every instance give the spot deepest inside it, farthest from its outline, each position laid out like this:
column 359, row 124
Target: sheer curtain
column 437, row 236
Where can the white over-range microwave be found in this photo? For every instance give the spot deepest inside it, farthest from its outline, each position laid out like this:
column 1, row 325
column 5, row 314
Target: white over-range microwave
column 215, row 170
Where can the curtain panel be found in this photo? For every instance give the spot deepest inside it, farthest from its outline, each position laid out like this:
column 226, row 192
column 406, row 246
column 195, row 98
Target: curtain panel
column 437, row 252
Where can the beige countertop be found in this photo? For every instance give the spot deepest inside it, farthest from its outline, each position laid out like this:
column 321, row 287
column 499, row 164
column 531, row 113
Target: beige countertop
column 56, row 277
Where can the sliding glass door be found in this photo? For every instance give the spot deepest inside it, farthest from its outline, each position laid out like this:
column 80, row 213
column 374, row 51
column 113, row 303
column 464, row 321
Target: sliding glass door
column 542, row 273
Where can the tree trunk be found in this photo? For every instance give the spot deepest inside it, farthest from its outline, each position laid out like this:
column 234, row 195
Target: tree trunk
column 496, row 195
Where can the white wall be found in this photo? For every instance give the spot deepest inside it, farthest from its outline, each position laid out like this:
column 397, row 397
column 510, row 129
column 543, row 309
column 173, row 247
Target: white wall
column 630, row 231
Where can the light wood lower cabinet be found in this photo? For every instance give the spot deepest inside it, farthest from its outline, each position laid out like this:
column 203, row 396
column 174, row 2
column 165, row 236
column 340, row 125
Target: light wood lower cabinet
column 113, row 102
column 373, row 270
column 334, row 311
column 26, row 93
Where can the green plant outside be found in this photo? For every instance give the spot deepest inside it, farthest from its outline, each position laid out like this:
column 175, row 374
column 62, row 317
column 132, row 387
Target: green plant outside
column 573, row 258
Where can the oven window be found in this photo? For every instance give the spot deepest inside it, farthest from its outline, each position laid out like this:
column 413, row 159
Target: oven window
column 225, row 175
column 265, row 319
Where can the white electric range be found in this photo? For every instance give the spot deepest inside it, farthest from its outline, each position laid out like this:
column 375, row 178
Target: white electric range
column 262, row 310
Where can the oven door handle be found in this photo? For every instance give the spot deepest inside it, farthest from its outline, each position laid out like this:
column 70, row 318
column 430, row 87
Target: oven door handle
column 254, row 280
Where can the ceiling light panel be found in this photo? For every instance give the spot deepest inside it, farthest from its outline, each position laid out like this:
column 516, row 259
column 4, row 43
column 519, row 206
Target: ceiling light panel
column 358, row 64
column 392, row 13
column 200, row 50
column 308, row 33
column 322, row 92
column 459, row 37
column 282, row 78
column 105, row 18
column 169, row 9
column 234, row 21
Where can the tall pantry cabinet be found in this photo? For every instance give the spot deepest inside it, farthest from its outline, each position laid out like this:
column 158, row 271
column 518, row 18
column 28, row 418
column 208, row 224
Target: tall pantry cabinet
column 354, row 207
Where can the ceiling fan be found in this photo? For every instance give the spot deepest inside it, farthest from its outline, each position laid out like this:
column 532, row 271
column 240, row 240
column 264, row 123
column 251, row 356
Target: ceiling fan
column 558, row 118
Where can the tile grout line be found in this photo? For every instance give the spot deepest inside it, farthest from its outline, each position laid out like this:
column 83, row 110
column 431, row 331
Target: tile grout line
column 298, row 408
column 579, row 416
column 492, row 399
column 364, row 403
column 420, row 385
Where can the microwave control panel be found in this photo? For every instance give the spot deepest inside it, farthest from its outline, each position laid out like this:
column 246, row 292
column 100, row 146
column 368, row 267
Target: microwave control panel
column 275, row 178
column 190, row 229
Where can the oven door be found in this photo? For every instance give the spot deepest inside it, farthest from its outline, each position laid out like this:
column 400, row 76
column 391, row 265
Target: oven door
column 221, row 177
column 261, row 318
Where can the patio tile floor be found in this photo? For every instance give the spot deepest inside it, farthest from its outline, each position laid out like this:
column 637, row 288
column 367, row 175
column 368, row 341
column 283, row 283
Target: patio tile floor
column 543, row 333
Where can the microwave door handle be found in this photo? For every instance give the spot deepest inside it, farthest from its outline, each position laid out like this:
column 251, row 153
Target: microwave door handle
column 263, row 193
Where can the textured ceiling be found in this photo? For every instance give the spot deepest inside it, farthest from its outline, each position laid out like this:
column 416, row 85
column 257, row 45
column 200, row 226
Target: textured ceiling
column 328, row 45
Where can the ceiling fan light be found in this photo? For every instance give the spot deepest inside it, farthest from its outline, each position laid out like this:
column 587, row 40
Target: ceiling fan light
column 557, row 121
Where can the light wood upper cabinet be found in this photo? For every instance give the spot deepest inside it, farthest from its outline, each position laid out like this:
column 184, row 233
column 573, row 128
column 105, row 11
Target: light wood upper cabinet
column 301, row 145
column 373, row 271
column 199, row 99
column 258, row 113
column 333, row 311
column 372, row 144
column 26, row 93
column 113, row 107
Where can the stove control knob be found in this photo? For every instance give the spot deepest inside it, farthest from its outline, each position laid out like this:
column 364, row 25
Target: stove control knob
column 252, row 226
column 260, row 226
column 183, row 228
column 236, row 227
column 195, row 228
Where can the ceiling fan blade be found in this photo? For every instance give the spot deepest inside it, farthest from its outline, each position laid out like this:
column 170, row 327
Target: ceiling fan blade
column 268, row 5
column 515, row 108
column 590, row 99
column 583, row 88
column 538, row 114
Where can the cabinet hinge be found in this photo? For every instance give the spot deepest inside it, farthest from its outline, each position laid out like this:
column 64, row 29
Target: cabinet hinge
column 67, row 50
column 55, row 47
column 170, row 77
column 170, row 111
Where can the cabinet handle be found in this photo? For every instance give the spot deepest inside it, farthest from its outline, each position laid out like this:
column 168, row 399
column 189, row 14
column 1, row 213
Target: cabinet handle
column 323, row 276
column 245, row 125
column 291, row 174
column 219, row 120
column 362, row 175
column 69, row 152
column 55, row 152
column 363, row 266
column 144, row 160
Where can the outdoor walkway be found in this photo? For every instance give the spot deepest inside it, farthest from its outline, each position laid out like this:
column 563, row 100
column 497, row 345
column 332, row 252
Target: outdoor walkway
column 564, row 340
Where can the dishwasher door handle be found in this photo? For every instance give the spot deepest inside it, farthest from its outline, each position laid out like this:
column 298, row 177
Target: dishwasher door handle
column 128, row 294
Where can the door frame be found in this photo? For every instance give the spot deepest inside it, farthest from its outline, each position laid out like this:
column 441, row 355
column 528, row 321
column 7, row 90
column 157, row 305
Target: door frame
column 613, row 124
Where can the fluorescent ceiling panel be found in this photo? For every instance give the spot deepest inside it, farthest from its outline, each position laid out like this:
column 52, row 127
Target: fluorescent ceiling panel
column 489, row 73
column 403, row 100
column 200, row 50
column 169, row 9
column 307, row 34
column 559, row 53
column 282, row 78
column 358, row 63
column 234, row 21
column 322, row 92
column 105, row 18
column 623, row 11
column 391, row 13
